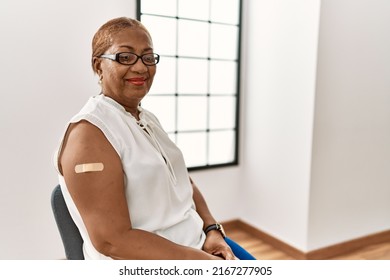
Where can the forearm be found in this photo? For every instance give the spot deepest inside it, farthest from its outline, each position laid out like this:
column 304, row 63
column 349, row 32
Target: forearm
column 142, row 245
column 201, row 207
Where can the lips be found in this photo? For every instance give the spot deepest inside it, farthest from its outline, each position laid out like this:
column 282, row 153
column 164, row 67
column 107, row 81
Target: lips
column 138, row 81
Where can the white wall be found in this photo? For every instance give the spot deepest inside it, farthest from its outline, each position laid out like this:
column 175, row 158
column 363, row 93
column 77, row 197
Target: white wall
column 317, row 131
column 350, row 186
column 281, row 48
column 45, row 78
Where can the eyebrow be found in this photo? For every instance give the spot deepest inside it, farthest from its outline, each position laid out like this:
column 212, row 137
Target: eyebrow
column 132, row 49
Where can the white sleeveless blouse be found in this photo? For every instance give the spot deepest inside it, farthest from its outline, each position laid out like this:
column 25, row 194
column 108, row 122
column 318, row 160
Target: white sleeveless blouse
column 158, row 190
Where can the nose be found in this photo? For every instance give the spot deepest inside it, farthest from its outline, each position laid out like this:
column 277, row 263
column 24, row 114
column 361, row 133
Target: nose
column 139, row 66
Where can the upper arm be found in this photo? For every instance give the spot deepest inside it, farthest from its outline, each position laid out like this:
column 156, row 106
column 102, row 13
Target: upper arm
column 99, row 195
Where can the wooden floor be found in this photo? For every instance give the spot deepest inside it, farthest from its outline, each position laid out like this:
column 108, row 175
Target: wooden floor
column 264, row 251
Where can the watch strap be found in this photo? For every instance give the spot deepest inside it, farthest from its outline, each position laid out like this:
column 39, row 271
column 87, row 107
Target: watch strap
column 215, row 227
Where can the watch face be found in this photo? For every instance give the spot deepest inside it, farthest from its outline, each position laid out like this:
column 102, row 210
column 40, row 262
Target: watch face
column 220, row 228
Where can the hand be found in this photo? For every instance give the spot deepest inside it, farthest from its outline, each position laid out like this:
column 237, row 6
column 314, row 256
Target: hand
column 216, row 245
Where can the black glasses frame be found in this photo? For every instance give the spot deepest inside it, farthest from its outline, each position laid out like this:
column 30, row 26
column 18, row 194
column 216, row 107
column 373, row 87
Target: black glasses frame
column 116, row 56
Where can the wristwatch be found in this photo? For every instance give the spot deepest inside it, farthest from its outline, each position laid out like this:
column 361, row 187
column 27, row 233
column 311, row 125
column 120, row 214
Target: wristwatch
column 216, row 226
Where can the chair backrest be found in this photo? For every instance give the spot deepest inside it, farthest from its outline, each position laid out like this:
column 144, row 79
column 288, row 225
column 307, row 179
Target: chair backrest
column 70, row 234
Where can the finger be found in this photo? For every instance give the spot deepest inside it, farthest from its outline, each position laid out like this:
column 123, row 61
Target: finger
column 231, row 257
column 228, row 255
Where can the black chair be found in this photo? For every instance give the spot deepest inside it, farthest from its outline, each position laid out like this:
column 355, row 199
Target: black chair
column 70, row 234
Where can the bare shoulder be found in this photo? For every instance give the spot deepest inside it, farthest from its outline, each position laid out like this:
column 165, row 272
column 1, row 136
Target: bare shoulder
column 84, row 134
column 85, row 143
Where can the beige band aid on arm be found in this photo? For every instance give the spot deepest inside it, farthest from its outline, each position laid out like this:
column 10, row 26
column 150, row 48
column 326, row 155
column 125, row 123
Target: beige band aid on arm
column 89, row 167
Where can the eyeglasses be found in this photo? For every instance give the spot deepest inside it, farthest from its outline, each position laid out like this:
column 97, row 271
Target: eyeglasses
column 128, row 58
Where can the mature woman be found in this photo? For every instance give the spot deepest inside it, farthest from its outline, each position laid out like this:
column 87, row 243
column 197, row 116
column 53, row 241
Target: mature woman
column 125, row 183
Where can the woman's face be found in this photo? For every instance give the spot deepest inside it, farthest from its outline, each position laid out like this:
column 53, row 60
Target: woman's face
column 127, row 84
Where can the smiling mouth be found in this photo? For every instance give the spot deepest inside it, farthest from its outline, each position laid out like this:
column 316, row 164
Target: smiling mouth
column 136, row 81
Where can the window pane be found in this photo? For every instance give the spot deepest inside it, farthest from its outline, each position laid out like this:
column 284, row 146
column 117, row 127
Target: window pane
column 194, row 148
column 163, row 32
column 165, row 78
column 195, row 9
column 223, row 77
column 222, row 112
column 222, row 147
column 192, row 76
column 192, row 113
column 193, row 38
column 166, row 7
column 220, row 34
column 164, row 107
column 226, row 11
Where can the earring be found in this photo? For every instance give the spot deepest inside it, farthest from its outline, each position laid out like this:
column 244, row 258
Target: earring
column 100, row 81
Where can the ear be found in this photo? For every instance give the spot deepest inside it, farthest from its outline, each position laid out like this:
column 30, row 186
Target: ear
column 96, row 62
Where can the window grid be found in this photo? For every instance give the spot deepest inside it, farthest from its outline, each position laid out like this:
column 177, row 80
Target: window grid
column 179, row 96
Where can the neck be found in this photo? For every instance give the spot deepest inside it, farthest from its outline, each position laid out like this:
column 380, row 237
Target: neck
column 130, row 108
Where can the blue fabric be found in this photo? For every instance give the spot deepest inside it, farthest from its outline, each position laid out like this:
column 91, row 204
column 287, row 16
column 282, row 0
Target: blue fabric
column 238, row 251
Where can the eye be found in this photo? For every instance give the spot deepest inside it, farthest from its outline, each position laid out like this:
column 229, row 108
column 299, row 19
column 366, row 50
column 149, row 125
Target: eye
column 149, row 58
column 126, row 58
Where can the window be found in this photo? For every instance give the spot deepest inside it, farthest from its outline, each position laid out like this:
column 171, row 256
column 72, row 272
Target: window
column 195, row 93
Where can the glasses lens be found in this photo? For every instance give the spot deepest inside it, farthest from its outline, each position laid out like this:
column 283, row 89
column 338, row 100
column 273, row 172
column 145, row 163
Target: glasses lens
column 126, row 58
column 150, row 59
